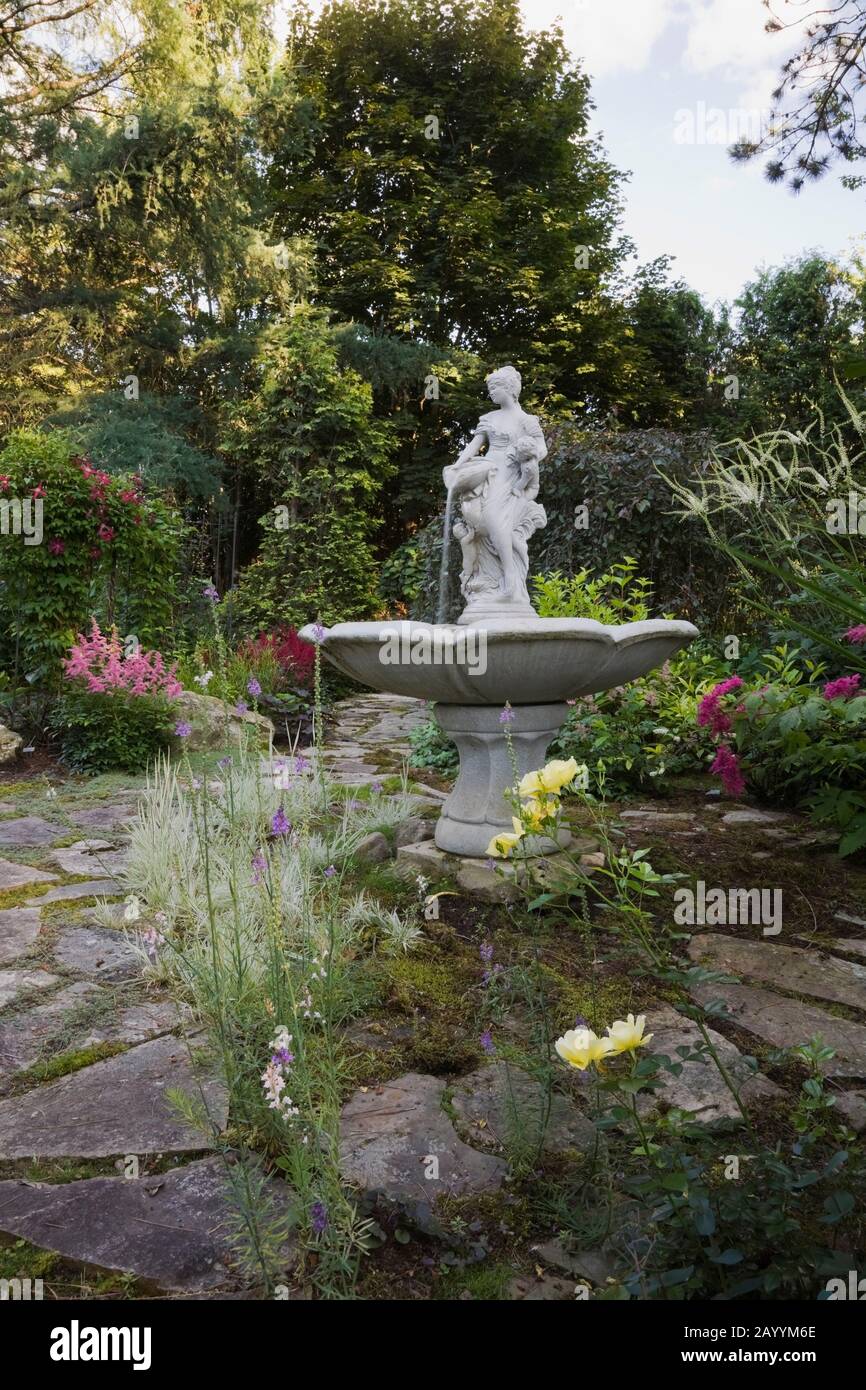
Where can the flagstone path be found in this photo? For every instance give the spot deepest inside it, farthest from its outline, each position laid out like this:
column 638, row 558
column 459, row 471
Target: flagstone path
column 89, row 1050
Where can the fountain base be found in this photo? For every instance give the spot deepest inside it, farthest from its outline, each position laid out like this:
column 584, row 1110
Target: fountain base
column 477, row 808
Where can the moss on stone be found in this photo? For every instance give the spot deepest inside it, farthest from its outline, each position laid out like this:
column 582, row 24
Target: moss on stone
column 21, row 1260
column 65, row 1063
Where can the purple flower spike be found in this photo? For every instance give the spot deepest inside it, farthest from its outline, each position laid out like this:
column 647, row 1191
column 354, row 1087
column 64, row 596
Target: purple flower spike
column 253, row 687
column 330, row 872
column 281, row 825
column 182, row 729
column 487, row 1042
column 318, row 1218
column 507, row 715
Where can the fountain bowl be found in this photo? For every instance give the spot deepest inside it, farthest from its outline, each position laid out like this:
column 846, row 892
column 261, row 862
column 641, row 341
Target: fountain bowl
column 533, row 661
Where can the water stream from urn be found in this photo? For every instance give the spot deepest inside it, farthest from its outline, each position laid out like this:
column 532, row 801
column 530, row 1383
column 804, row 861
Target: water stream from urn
column 442, row 609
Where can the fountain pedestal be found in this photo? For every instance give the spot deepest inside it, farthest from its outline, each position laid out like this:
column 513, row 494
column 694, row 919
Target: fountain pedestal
column 477, row 808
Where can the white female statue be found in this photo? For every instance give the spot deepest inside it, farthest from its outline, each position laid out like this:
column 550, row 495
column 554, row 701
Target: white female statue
column 497, row 492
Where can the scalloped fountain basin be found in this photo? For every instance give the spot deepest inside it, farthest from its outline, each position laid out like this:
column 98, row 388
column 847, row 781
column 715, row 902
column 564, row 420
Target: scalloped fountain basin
column 534, row 664
column 530, row 662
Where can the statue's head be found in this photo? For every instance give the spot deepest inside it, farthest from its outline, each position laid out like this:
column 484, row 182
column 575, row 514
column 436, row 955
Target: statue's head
column 503, row 385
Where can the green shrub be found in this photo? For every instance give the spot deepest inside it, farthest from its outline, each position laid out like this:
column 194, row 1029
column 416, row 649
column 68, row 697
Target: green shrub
column 112, row 730
column 431, row 747
column 618, row 596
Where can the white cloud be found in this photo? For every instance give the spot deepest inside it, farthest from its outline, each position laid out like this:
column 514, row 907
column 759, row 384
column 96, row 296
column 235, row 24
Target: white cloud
column 607, row 35
column 728, row 34
column 613, row 36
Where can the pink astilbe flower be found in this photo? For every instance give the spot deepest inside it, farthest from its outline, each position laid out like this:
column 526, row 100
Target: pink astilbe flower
column 841, row 688
column 726, row 766
column 100, row 661
column 856, row 634
column 710, row 711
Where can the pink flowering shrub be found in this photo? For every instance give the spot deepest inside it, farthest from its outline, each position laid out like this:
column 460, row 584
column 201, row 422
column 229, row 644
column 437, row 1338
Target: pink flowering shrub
column 103, row 665
column 795, row 743
column 116, row 708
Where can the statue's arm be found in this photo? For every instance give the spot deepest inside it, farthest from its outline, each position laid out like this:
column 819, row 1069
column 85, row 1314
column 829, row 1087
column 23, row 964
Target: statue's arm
column 451, row 470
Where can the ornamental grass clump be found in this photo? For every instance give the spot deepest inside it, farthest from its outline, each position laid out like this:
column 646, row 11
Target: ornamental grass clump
column 116, row 709
column 245, row 873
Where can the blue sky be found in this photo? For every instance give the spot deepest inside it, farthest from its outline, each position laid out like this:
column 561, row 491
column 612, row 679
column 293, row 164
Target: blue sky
column 650, row 61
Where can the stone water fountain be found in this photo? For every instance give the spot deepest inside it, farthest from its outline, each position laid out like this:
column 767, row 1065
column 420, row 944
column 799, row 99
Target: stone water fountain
column 499, row 652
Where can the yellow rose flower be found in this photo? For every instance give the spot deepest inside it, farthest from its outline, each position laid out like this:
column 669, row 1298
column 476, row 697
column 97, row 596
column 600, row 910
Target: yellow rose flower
column 536, row 810
column 627, row 1036
column 580, row 1048
column 551, row 778
column 501, row 845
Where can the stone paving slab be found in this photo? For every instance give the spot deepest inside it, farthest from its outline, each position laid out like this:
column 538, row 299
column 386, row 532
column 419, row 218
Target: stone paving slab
column 19, row 928
column 110, row 817
column 787, row 967
column 172, row 1231
column 22, row 1036
column 750, row 815
column 25, row 1038
column 136, row 1023
column 700, row 1088
column 90, row 856
column 100, row 952
column 15, row 984
column 497, row 1104
column 69, row 892
column 28, row 832
column 789, row 1022
column 392, row 1134
column 852, row 1105
column 14, row 875
column 113, row 1107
